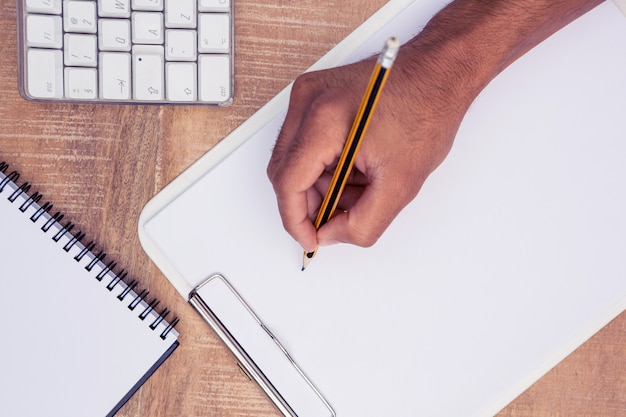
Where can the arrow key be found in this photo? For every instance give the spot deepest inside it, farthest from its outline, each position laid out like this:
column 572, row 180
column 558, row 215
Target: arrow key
column 181, row 81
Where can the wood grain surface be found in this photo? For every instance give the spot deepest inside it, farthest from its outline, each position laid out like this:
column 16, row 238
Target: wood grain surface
column 100, row 164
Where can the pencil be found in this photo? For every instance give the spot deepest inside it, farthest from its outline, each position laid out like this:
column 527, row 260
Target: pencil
column 353, row 141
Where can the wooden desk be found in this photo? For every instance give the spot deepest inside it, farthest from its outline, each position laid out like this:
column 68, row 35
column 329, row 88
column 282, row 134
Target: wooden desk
column 101, row 164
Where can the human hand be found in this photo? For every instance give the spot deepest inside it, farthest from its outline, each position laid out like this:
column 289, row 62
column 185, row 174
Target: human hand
column 410, row 134
column 435, row 78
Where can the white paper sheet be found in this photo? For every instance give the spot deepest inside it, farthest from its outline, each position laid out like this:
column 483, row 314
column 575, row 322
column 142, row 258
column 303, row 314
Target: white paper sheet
column 511, row 256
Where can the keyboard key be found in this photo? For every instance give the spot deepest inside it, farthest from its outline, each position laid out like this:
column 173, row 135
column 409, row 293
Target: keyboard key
column 79, row 16
column 44, row 6
column 114, row 8
column 214, row 33
column 114, row 35
column 180, row 45
column 147, row 28
column 148, row 5
column 180, row 14
column 181, row 81
column 214, row 6
column 44, row 31
column 44, row 69
column 80, row 50
column 114, row 83
column 148, row 68
column 214, row 78
column 81, row 83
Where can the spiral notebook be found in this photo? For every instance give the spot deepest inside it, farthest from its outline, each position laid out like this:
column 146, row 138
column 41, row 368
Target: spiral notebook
column 511, row 256
column 76, row 339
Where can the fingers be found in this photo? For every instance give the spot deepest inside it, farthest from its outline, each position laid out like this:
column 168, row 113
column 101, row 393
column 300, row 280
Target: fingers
column 316, row 117
column 404, row 144
column 370, row 211
column 308, row 143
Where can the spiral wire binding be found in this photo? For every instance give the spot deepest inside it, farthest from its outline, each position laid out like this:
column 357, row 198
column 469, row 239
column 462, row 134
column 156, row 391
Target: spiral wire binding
column 98, row 260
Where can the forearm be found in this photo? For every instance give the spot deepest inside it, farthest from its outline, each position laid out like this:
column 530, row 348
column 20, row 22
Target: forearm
column 471, row 41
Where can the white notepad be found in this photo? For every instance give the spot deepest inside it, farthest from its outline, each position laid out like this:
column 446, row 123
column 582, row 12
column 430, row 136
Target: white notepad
column 511, row 256
column 76, row 340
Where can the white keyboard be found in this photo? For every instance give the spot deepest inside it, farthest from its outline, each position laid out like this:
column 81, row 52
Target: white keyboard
column 127, row 51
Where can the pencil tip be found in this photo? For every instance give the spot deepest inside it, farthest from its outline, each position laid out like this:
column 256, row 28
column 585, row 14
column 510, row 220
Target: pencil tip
column 306, row 259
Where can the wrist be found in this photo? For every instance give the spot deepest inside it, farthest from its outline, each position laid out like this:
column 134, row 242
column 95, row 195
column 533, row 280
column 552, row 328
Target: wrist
column 470, row 42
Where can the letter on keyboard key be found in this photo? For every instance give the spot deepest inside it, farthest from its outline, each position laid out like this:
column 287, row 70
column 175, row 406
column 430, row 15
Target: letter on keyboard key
column 148, row 66
column 115, row 81
column 44, row 69
column 214, row 78
column 214, row 33
column 180, row 14
column 181, row 81
column 114, row 8
column 114, row 35
column 147, row 28
column 44, row 31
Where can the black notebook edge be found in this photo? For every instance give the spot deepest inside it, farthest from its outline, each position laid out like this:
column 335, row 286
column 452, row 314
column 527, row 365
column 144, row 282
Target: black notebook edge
column 144, row 378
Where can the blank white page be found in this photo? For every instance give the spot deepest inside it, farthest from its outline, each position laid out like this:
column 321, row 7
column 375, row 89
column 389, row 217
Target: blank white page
column 511, row 256
column 70, row 347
